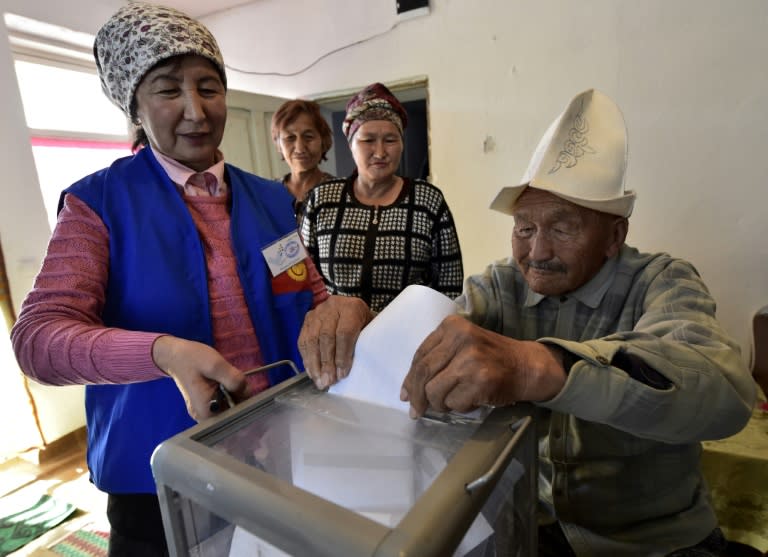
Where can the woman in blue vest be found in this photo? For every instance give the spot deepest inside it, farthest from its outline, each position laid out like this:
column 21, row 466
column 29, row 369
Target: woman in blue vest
column 168, row 273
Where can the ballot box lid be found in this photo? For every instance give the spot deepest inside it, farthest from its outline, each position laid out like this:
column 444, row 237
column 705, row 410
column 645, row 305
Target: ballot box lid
column 309, row 472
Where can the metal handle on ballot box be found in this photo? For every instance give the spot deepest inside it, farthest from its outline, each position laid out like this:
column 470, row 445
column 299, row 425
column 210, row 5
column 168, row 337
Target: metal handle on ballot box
column 222, row 400
column 501, row 461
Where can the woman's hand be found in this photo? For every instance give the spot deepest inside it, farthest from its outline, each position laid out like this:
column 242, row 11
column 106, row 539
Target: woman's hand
column 328, row 336
column 198, row 370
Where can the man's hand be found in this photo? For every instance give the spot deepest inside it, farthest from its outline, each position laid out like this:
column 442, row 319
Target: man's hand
column 328, row 336
column 198, row 370
column 461, row 366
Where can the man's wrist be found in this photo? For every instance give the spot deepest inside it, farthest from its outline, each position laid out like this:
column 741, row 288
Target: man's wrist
column 553, row 378
column 566, row 359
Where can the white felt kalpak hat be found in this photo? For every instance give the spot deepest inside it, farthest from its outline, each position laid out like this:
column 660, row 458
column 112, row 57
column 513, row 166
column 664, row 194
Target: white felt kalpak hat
column 582, row 158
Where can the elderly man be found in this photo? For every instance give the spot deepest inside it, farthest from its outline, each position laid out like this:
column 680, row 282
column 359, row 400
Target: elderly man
column 619, row 350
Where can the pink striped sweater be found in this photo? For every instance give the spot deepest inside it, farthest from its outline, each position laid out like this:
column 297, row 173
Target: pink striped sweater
column 60, row 339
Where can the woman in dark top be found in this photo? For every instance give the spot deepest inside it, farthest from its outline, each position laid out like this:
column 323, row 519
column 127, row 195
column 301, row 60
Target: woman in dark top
column 374, row 233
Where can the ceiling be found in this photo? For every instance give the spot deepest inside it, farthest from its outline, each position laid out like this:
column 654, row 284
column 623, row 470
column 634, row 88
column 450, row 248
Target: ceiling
column 255, row 48
column 202, row 8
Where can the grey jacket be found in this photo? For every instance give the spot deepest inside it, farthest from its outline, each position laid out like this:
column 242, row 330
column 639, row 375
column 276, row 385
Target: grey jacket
column 619, row 456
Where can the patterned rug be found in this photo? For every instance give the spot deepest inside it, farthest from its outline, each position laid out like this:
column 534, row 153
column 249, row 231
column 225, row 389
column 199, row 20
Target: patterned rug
column 25, row 517
column 90, row 541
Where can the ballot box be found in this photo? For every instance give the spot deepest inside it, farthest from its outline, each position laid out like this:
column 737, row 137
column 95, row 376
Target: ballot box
column 300, row 472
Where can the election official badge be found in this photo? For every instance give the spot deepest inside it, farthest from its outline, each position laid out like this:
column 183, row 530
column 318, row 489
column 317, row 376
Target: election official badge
column 285, row 253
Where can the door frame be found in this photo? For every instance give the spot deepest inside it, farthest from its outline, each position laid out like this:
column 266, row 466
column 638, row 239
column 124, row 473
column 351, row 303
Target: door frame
column 406, row 89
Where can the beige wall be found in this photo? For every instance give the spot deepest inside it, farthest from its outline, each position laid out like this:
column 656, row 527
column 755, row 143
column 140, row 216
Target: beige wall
column 689, row 75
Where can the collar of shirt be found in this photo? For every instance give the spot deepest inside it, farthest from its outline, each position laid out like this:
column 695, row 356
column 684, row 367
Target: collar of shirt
column 180, row 174
column 591, row 294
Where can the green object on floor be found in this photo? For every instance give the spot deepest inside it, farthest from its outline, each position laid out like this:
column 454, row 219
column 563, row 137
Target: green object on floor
column 23, row 518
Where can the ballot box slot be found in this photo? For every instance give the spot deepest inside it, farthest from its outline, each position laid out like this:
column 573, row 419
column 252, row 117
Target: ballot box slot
column 446, row 432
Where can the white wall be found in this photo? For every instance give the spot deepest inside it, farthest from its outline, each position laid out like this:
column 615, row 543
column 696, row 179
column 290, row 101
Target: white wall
column 689, row 75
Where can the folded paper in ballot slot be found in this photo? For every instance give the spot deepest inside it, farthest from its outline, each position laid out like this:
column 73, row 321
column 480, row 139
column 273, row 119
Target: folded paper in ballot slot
column 385, row 348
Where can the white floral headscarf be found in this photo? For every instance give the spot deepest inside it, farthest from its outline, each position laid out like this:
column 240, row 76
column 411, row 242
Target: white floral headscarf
column 139, row 36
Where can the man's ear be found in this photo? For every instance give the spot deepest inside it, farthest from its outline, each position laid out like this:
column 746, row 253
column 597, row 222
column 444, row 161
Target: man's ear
column 617, row 234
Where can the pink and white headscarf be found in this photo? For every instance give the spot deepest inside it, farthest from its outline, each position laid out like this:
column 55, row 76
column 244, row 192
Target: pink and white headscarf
column 139, row 36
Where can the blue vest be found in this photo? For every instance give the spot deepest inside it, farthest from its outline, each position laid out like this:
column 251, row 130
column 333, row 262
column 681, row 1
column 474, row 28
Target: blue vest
column 158, row 283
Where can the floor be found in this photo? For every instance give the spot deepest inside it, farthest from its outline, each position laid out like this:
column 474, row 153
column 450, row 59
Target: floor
column 64, row 476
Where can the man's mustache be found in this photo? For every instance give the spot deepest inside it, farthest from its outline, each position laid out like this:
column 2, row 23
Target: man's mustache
column 550, row 266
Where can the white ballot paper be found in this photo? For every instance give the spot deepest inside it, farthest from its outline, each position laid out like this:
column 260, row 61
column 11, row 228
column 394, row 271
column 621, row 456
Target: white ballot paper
column 386, row 346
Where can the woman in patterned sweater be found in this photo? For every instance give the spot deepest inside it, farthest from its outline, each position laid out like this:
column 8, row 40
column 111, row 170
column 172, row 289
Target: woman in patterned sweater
column 374, row 233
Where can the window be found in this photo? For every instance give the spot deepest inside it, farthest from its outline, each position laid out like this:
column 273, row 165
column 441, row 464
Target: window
column 61, row 162
column 74, row 128
column 67, row 100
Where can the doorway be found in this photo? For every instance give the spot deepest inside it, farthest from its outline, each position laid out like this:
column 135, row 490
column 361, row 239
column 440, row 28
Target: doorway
column 412, row 93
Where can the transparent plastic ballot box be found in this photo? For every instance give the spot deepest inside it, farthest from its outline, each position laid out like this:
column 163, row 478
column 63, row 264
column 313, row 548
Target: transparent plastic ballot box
column 300, row 472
